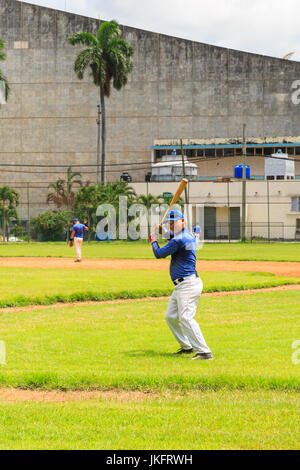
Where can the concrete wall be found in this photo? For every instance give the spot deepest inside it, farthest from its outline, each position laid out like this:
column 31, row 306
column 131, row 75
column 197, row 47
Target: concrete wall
column 178, row 88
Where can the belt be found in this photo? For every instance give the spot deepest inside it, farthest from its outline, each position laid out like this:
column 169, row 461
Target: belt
column 181, row 279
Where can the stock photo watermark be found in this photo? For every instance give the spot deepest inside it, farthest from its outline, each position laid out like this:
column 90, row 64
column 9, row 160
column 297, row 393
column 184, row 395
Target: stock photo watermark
column 296, row 353
column 137, row 222
column 296, row 93
column 2, row 353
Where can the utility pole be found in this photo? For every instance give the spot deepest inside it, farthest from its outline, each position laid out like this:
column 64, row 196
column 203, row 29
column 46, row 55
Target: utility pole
column 4, row 223
column 268, row 203
column 98, row 142
column 244, row 186
column 228, row 217
column 28, row 213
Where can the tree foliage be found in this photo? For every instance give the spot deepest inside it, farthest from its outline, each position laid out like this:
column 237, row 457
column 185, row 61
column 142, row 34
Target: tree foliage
column 3, row 78
column 51, row 226
column 9, row 201
column 89, row 198
column 109, row 58
column 62, row 194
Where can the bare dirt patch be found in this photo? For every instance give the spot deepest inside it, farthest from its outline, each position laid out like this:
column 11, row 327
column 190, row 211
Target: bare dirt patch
column 13, row 395
column 277, row 268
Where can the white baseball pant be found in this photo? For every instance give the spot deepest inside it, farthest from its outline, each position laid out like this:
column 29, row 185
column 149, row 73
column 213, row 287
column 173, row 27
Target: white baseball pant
column 78, row 243
column 180, row 314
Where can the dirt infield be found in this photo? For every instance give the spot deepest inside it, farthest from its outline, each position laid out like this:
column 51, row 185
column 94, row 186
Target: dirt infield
column 278, row 268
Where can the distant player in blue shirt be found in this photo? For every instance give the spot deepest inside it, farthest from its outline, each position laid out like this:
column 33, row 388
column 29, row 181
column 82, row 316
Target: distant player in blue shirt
column 188, row 287
column 77, row 237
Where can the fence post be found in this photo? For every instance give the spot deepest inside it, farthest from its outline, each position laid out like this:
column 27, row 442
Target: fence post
column 268, row 202
column 228, row 217
column 244, row 185
column 28, row 213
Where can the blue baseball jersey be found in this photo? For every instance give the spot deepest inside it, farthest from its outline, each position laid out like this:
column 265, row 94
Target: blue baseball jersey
column 182, row 248
column 79, row 228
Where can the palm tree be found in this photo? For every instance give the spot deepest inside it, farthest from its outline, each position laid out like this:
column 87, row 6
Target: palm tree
column 9, row 201
column 63, row 194
column 110, row 60
column 3, row 79
column 148, row 200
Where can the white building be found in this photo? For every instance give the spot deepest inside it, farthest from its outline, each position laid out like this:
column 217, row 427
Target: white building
column 279, row 167
column 272, row 207
column 171, row 169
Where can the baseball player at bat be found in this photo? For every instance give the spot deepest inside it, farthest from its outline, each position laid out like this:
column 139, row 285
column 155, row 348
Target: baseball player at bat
column 188, row 287
column 77, row 237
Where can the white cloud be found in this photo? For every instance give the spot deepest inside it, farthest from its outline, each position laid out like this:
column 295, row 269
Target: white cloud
column 263, row 26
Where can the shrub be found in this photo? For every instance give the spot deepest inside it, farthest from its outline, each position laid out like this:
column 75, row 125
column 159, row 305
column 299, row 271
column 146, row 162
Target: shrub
column 51, row 226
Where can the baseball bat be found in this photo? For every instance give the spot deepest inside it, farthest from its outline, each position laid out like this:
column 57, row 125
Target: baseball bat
column 176, row 196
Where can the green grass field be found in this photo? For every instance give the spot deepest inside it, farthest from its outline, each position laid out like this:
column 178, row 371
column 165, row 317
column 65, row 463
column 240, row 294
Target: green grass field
column 26, row 286
column 210, row 420
column 142, row 249
column 247, row 398
column 129, row 345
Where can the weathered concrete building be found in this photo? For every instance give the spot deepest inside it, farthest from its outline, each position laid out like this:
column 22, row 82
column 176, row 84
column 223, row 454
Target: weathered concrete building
column 178, row 89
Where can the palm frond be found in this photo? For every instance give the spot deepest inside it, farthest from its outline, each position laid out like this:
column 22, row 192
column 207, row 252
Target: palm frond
column 2, row 77
column 86, row 39
column 82, row 61
column 107, row 31
column 6, row 85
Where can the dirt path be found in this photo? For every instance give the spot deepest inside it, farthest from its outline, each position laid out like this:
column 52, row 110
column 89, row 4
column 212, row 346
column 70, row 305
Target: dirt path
column 13, row 395
column 145, row 299
column 278, row 268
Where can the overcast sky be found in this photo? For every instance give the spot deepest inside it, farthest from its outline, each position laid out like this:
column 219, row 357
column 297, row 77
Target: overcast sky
column 269, row 27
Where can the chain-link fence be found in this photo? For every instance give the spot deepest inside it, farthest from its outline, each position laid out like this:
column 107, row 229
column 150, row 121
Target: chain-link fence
column 255, row 232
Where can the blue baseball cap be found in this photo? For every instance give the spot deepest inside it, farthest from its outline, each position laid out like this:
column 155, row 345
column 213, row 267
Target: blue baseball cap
column 197, row 229
column 75, row 220
column 174, row 215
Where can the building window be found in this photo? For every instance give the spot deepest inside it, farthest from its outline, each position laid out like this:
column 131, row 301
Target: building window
column 297, row 150
column 200, row 153
column 291, row 150
column 160, row 153
column 295, row 204
column 258, row 151
column 268, row 150
column 228, row 152
column 280, row 177
column 209, row 153
column 270, row 178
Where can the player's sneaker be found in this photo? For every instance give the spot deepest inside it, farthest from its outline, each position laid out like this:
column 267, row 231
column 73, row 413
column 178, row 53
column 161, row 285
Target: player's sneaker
column 77, row 261
column 202, row 356
column 184, row 351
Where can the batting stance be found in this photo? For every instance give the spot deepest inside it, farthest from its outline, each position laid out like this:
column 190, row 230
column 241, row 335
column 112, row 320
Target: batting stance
column 77, row 237
column 188, row 287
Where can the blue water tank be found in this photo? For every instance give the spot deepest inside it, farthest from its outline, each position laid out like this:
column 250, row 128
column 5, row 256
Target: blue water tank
column 238, row 171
